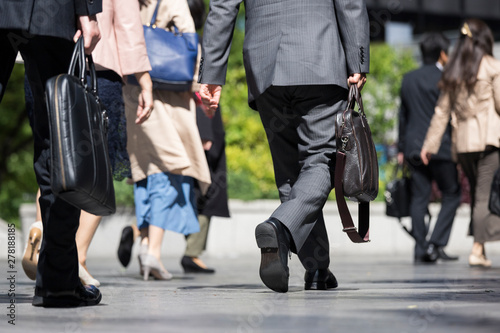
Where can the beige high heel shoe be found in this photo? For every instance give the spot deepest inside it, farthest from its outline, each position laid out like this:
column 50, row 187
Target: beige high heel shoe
column 86, row 278
column 32, row 249
column 151, row 265
column 479, row 261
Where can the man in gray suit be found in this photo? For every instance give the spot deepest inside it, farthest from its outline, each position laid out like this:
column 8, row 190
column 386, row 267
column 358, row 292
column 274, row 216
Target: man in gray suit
column 299, row 56
column 43, row 32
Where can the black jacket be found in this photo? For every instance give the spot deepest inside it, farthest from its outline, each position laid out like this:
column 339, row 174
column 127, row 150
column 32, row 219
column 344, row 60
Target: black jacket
column 419, row 95
column 54, row 18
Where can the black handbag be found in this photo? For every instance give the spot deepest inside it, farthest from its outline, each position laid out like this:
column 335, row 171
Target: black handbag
column 494, row 202
column 398, row 194
column 80, row 167
column 356, row 170
column 172, row 56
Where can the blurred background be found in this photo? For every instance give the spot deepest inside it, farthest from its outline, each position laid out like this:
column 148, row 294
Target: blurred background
column 395, row 27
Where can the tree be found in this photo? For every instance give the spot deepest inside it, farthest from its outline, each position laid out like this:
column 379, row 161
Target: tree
column 16, row 149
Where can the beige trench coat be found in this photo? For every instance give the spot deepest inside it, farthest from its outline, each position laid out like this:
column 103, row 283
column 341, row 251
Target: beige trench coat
column 169, row 140
column 475, row 117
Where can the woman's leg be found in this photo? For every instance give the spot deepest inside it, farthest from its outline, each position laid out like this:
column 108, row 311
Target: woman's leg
column 85, row 233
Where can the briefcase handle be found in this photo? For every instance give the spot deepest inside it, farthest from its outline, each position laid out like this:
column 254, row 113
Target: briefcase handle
column 79, row 58
column 355, row 97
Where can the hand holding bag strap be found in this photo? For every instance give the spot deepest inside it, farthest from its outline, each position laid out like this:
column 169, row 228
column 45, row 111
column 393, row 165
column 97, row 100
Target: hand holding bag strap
column 345, row 216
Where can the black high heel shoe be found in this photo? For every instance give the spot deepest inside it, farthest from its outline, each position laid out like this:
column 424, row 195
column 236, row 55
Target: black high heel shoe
column 190, row 266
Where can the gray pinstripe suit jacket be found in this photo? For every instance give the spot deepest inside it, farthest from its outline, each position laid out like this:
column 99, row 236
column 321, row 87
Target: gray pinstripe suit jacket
column 288, row 42
column 56, row 18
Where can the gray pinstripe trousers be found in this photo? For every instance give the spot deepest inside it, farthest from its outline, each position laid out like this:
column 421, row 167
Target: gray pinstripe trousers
column 300, row 127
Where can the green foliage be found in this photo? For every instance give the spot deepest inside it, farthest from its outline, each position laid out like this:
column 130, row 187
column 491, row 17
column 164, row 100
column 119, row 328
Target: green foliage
column 381, row 92
column 17, row 179
column 124, row 193
column 250, row 169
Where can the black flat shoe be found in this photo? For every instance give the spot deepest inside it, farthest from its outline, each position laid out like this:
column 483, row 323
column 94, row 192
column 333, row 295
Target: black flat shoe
column 190, row 266
column 443, row 256
column 125, row 247
column 274, row 243
column 321, row 279
column 81, row 296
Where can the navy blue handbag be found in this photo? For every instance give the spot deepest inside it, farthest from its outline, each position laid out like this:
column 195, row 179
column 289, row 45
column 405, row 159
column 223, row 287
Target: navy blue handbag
column 172, row 56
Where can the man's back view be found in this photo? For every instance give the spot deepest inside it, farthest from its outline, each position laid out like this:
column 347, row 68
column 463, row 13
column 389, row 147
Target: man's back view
column 419, row 95
column 298, row 55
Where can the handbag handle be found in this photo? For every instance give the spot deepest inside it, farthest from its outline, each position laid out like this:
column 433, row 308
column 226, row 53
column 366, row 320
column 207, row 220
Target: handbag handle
column 403, row 167
column 152, row 23
column 355, row 97
column 79, row 59
column 153, row 19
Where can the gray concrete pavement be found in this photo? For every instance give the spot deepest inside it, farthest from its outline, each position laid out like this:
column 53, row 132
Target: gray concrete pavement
column 377, row 293
column 233, row 236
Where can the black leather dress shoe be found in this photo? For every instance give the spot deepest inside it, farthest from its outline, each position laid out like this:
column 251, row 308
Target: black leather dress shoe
column 274, row 242
column 190, row 266
column 81, row 296
column 443, row 256
column 321, row 279
column 430, row 256
column 423, row 260
column 125, row 247
column 432, row 253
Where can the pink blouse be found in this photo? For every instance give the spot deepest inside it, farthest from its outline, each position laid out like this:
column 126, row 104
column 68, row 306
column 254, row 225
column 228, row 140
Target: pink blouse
column 122, row 47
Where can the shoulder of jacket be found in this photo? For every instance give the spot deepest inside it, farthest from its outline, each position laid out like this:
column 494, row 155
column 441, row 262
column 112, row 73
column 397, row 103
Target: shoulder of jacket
column 489, row 66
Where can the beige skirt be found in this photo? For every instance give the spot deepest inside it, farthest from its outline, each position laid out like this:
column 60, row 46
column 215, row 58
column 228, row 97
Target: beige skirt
column 169, row 140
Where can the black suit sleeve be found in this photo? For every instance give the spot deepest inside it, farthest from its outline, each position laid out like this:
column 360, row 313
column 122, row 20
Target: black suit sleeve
column 403, row 116
column 88, row 7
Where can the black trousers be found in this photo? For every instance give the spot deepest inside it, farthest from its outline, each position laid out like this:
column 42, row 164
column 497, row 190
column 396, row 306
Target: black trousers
column 446, row 175
column 45, row 57
column 300, row 128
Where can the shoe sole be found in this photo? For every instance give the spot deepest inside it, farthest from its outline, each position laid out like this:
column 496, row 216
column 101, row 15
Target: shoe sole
column 272, row 272
column 30, row 258
column 63, row 302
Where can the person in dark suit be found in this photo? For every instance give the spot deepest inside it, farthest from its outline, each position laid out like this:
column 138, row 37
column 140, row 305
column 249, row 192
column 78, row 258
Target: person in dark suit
column 299, row 56
column 44, row 33
column 419, row 95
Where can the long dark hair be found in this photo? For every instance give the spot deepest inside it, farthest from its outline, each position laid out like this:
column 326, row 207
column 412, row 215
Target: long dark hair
column 476, row 40
column 198, row 11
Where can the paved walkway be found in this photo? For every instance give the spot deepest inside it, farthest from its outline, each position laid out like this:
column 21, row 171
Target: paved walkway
column 375, row 294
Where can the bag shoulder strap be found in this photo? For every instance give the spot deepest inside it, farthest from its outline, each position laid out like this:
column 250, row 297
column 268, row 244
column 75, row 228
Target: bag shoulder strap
column 153, row 18
column 345, row 216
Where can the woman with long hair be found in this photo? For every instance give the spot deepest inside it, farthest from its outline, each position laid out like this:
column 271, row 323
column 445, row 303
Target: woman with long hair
column 470, row 94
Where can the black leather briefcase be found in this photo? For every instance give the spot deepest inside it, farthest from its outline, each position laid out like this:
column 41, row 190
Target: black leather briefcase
column 80, row 167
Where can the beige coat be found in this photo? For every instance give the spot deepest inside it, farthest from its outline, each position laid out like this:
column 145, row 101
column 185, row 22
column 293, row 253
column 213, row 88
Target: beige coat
column 169, row 140
column 122, row 48
column 475, row 117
